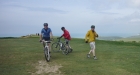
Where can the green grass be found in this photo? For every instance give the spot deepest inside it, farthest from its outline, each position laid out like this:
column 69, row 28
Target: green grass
column 19, row 56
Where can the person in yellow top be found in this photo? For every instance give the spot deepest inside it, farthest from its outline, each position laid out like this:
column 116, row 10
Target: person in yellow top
column 90, row 38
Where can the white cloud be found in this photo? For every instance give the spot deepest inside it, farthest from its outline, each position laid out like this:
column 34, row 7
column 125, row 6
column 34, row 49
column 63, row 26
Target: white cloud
column 135, row 20
column 109, row 16
column 136, row 2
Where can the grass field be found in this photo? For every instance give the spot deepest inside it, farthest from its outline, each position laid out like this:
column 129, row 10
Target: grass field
column 24, row 56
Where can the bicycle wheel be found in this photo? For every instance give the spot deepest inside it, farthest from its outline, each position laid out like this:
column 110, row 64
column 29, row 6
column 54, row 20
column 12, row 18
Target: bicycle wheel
column 70, row 50
column 47, row 54
column 65, row 49
column 55, row 47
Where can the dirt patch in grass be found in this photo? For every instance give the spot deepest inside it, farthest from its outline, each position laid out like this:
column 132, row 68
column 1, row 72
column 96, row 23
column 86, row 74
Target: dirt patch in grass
column 49, row 68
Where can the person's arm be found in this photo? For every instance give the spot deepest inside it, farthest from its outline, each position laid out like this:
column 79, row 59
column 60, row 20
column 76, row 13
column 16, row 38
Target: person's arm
column 87, row 37
column 51, row 35
column 61, row 36
column 96, row 34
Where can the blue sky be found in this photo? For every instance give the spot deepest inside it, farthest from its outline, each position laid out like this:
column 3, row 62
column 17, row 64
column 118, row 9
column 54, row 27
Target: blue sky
column 112, row 17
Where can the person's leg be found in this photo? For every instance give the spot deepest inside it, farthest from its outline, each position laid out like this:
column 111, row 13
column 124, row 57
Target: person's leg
column 68, row 45
column 70, row 49
column 43, row 42
column 90, row 51
column 91, row 46
column 49, row 46
column 48, row 39
column 93, row 51
column 68, row 42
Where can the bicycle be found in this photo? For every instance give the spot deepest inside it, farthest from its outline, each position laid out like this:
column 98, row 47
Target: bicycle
column 46, row 50
column 58, row 46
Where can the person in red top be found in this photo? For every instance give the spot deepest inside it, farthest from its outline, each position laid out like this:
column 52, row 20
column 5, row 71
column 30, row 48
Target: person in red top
column 67, row 36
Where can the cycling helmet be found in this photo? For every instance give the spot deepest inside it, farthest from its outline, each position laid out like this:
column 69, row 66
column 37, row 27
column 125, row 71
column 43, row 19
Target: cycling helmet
column 62, row 28
column 92, row 26
column 45, row 24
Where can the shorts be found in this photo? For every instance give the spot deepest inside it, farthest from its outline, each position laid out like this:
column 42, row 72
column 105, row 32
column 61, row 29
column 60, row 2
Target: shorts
column 92, row 45
column 46, row 38
column 67, row 41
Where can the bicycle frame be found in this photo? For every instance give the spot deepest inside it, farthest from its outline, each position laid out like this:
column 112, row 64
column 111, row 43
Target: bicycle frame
column 46, row 43
column 47, row 56
column 62, row 46
column 59, row 43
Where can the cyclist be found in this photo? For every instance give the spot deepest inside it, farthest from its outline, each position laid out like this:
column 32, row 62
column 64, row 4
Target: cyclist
column 90, row 37
column 46, row 34
column 67, row 36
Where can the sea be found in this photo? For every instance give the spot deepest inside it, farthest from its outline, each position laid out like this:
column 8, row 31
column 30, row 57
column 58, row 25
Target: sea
column 74, row 35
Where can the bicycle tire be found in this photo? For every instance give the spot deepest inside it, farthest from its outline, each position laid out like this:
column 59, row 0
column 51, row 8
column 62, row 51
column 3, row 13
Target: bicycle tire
column 70, row 50
column 47, row 56
column 55, row 47
column 65, row 50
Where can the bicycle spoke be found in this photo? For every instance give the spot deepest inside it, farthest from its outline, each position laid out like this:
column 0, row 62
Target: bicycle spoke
column 55, row 47
column 65, row 50
column 47, row 55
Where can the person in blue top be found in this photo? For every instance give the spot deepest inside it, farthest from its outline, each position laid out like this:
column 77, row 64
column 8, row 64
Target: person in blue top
column 46, row 34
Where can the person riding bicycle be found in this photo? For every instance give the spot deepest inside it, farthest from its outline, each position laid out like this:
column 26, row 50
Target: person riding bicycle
column 90, row 37
column 46, row 34
column 67, row 36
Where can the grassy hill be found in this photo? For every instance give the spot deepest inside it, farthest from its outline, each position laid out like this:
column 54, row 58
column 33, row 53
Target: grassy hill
column 130, row 39
column 24, row 56
column 116, row 38
column 111, row 38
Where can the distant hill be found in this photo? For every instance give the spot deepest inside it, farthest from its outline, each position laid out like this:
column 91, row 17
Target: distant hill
column 111, row 38
column 131, row 38
column 135, row 36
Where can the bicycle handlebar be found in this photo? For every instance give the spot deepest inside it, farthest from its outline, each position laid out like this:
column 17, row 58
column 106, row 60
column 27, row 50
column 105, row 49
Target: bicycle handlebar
column 45, row 41
column 58, row 38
